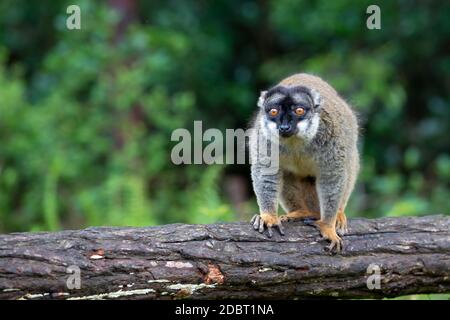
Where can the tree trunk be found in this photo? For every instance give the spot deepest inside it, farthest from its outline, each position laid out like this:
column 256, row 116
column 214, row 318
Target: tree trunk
column 228, row 260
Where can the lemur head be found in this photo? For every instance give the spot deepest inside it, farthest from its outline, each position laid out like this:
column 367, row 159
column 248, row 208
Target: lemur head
column 291, row 111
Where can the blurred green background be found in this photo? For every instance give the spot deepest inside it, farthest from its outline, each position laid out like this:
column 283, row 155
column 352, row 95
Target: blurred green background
column 86, row 115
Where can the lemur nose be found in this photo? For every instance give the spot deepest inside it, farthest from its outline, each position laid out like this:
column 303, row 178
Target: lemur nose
column 285, row 127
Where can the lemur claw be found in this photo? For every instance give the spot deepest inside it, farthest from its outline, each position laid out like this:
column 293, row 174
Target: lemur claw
column 259, row 223
column 328, row 233
column 255, row 221
column 335, row 244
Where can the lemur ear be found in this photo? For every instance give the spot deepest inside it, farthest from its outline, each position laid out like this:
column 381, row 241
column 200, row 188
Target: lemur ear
column 317, row 98
column 261, row 99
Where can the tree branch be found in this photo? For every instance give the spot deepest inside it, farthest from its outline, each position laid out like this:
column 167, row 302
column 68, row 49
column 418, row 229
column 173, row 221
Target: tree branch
column 227, row 261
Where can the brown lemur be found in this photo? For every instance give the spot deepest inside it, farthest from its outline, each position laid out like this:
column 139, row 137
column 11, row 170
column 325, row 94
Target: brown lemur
column 316, row 132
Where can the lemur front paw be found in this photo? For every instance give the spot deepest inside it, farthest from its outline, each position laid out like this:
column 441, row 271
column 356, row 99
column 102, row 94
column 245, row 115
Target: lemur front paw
column 329, row 232
column 268, row 220
column 341, row 223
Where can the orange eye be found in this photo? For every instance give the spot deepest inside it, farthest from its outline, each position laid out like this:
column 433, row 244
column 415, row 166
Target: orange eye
column 299, row 111
column 273, row 112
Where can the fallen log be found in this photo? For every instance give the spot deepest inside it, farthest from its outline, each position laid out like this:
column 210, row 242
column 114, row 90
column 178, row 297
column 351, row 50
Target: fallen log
column 384, row 257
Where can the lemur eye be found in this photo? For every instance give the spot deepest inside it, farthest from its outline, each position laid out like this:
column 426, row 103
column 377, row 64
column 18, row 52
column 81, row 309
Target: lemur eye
column 273, row 112
column 299, row 111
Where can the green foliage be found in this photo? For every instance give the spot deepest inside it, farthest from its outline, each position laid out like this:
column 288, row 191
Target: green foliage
column 424, row 297
column 86, row 116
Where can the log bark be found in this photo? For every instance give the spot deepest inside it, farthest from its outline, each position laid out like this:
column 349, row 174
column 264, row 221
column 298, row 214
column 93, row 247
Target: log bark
column 228, row 260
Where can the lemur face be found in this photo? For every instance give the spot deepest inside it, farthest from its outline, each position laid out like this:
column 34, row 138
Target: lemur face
column 291, row 110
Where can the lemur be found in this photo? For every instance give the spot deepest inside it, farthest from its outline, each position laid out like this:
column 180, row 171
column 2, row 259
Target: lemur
column 317, row 133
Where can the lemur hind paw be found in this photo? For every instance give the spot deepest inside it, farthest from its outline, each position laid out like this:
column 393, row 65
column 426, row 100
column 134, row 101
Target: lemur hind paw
column 329, row 233
column 260, row 221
